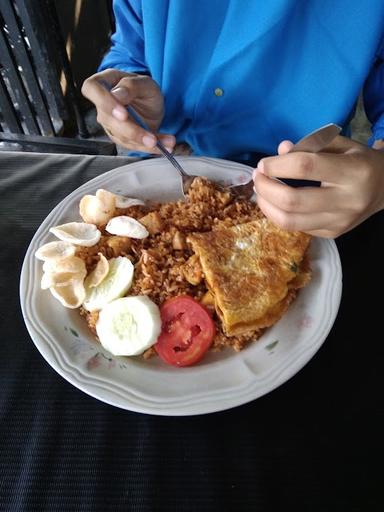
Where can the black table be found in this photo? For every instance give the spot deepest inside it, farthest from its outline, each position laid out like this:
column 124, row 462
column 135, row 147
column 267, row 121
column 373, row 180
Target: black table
column 313, row 444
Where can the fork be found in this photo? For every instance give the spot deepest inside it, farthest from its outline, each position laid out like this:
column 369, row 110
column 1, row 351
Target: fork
column 311, row 143
column 186, row 179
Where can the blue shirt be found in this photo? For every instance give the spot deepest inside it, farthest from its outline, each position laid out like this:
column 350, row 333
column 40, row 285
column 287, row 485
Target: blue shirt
column 240, row 76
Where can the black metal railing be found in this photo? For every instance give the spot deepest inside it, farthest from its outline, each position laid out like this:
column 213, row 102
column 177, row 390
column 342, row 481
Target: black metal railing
column 33, row 60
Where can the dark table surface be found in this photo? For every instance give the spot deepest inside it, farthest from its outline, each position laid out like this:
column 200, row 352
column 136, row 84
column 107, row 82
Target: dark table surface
column 313, row 444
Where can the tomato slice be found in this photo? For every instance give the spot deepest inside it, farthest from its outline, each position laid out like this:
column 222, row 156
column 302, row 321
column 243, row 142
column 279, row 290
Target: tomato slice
column 187, row 331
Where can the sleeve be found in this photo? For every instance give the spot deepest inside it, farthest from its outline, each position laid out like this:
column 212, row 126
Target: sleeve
column 127, row 50
column 373, row 94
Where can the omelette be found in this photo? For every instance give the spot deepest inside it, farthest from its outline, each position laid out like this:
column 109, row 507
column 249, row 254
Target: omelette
column 253, row 271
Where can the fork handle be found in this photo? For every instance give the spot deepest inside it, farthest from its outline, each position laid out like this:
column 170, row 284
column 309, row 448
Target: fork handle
column 159, row 144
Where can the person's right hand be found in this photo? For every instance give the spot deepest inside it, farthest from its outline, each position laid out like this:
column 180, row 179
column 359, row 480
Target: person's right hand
column 110, row 91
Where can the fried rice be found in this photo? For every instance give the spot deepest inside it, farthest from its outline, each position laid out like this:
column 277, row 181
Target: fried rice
column 164, row 261
column 165, row 266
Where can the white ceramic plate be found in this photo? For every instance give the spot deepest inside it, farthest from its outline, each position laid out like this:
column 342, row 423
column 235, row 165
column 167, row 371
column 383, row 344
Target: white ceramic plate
column 222, row 380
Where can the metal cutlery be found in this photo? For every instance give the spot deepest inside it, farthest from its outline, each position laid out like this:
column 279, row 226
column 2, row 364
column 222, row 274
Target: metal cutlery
column 186, row 179
column 311, row 143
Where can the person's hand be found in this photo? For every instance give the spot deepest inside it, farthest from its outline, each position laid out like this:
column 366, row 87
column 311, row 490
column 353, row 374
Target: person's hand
column 352, row 187
column 110, row 91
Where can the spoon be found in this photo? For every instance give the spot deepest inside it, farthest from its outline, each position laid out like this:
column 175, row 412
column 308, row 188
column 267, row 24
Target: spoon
column 311, row 143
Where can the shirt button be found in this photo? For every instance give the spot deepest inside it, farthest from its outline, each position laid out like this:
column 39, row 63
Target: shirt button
column 219, row 92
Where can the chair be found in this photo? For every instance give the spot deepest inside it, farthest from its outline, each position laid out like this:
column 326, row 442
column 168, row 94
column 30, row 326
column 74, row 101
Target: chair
column 34, row 111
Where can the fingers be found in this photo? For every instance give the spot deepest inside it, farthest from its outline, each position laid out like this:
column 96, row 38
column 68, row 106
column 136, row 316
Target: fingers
column 306, row 222
column 350, row 188
column 110, row 91
column 284, row 147
column 128, row 134
column 323, row 233
column 136, row 86
column 121, row 94
column 342, row 144
column 169, row 141
column 129, row 144
column 323, row 167
column 144, row 95
column 307, row 209
column 134, row 146
column 96, row 88
column 291, row 199
column 339, row 144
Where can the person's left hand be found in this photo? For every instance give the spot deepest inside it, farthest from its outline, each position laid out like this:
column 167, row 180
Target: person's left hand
column 352, row 187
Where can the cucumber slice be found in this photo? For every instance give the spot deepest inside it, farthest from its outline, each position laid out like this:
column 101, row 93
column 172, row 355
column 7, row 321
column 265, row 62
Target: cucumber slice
column 128, row 326
column 115, row 284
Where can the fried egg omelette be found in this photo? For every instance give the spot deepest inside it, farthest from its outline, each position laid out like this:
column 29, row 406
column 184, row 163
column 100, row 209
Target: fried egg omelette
column 253, row 270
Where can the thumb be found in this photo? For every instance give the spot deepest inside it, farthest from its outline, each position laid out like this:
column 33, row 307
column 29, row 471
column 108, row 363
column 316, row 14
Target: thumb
column 284, row 147
column 122, row 95
column 342, row 144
